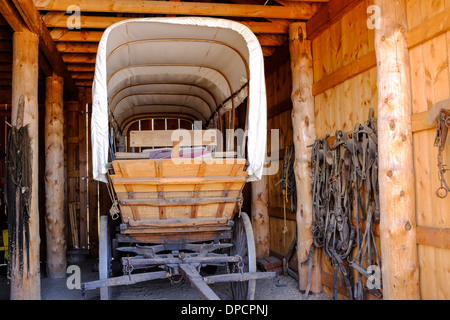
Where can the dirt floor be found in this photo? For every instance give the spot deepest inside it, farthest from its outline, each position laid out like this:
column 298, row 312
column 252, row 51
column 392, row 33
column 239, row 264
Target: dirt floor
column 268, row 289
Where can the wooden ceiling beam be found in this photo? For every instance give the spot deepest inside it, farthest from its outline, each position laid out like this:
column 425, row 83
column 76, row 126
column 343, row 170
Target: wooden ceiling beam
column 266, row 27
column 64, row 34
column 84, row 83
column 12, row 16
column 56, row 19
column 80, row 67
column 268, row 51
column 91, row 37
column 79, row 57
column 77, row 47
column 271, row 40
column 83, row 75
column 298, row 11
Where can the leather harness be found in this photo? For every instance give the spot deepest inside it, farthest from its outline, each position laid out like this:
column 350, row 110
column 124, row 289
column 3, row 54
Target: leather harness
column 345, row 196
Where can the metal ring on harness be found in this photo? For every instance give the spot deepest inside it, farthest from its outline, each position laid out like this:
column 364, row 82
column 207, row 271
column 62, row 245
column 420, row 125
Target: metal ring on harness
column 441, row 195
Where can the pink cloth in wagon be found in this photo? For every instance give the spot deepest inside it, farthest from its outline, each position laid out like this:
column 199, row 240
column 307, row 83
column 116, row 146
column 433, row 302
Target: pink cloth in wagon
column 166, row 153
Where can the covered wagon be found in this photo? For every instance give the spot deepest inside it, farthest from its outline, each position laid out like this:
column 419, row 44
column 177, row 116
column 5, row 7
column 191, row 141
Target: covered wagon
column 178, row 193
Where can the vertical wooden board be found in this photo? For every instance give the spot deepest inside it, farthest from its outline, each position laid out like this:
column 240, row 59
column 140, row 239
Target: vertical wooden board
column 279, row 241
column 328, row 109
column 438, row 85
column 335, row 47
column 289, row 132
column 414, row 15
column 348, row 104
column 275, row 198
column 448, row 47
column 370, row 32
column 320, row 114
column 317, row 48
column 443, row 272
column 350, row 39
column 338, row 105
column 430, row 83
column 429, row 9
column 365, row 94
column 321, row 57
column 374, row 90
column 424, row 204
column 419, row 100
column 436, row 69
column 363, row 30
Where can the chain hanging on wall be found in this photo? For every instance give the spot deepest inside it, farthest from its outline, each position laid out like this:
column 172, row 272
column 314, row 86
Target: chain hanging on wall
column 344, row 189
column 441, row 136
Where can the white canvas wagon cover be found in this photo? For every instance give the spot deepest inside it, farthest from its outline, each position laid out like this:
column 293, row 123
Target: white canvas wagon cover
column 184, row 67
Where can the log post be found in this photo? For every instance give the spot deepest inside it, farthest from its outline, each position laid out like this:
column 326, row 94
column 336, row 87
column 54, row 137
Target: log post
column 260, row 217
column 304, row 129
column 54, row 178
column 400, row 271
column 25, row 71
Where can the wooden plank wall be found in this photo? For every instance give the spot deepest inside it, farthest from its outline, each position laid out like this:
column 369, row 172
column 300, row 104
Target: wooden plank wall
column 80, row 186
column 429, row 44
column 344, row 73
column 345, row 84
column 279, row 106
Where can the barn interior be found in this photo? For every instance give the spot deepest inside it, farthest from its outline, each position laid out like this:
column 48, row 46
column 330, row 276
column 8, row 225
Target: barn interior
column 331, row 68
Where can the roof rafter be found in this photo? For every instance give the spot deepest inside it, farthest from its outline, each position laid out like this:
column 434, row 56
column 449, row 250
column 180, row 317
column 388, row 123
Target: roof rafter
column 21, row 15
column 67, row 36
column 299, row 10
column 57, row 19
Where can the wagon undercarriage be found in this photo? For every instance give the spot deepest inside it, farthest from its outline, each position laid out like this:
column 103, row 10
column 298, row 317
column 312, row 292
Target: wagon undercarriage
column 235, row 255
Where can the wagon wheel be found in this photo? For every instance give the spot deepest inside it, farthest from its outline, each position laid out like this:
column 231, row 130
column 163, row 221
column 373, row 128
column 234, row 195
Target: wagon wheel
column 244, row 246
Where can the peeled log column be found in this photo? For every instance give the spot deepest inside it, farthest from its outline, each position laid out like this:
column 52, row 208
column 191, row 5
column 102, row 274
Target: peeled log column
column 25, row 82
column 304, row 129
column 260, row 217
column 400, row 272
column 54, row 178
